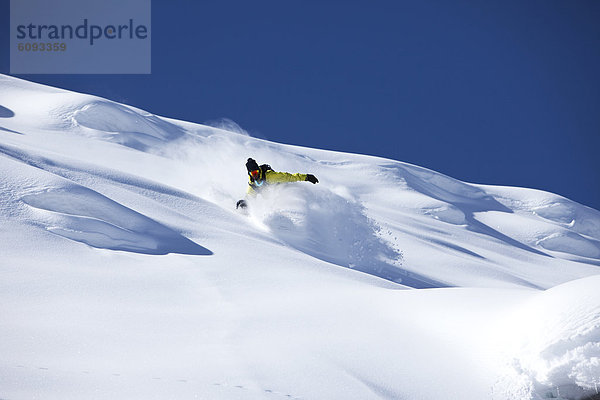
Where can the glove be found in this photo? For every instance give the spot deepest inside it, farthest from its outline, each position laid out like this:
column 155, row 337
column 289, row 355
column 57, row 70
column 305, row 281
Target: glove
column 311, row 178
column 241, row 204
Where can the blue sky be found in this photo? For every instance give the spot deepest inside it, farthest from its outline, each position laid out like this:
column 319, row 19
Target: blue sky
column 494, row 92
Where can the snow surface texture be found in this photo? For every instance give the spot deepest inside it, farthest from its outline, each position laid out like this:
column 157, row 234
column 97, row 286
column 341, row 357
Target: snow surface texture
column 127, row 273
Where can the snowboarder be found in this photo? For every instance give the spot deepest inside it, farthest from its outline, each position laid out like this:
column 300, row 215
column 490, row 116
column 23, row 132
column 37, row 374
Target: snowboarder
column 260, row 176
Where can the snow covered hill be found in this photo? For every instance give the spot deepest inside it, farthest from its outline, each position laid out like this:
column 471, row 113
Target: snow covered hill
column 127, row 272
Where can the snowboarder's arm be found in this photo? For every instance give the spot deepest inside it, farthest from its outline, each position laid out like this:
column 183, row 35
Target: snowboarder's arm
column 280, row 177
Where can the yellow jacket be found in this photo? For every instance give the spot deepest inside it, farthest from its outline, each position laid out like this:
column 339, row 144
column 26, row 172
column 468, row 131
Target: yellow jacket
column 268, row 177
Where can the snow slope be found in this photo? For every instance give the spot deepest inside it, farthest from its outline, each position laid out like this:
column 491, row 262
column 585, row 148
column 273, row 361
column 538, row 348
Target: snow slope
column 127, row 273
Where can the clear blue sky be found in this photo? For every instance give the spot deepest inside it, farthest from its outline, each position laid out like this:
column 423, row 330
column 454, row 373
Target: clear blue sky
column 496, row 92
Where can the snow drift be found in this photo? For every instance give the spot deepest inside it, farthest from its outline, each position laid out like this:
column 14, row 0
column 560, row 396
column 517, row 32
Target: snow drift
column 127, row 272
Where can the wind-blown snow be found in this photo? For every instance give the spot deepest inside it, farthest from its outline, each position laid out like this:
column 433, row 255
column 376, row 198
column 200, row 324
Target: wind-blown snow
column 127, row 272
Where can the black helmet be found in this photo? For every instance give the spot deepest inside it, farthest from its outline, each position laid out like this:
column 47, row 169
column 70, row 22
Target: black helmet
column 253, row 169
column 251, row 165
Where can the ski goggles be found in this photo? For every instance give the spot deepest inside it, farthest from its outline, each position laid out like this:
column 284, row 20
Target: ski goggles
column 255, row 174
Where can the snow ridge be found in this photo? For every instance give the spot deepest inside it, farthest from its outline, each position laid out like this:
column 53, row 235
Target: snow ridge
column 123, row 256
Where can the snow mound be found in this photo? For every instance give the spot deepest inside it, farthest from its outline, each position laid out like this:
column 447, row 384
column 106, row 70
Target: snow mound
column 572, row 215
column 557, row 342
column 126, row 125
column 6, row 112
column 571, row 243
column 447, row 213
column 85, row 216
